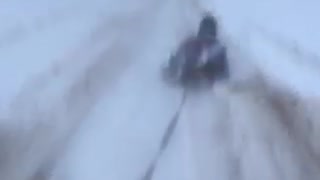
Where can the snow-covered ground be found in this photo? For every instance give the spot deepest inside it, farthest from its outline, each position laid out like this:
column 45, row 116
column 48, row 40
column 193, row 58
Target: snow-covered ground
column 82, row 96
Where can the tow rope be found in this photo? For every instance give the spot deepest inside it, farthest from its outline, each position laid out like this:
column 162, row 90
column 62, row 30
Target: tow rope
column 166, row 138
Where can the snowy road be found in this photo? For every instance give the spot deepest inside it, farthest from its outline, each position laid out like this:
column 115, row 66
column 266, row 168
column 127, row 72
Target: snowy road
column 82, row 97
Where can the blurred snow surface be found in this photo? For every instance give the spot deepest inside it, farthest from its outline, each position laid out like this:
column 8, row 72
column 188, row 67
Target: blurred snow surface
column 82, row 97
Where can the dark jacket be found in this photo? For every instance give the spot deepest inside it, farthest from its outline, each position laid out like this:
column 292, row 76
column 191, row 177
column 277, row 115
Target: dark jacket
column 201, row 58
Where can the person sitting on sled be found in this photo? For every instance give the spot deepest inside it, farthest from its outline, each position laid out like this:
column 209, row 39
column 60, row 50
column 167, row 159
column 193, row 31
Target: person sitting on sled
column 201, row 58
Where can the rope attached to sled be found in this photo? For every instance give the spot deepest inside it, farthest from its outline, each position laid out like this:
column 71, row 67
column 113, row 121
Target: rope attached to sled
column 165, row 139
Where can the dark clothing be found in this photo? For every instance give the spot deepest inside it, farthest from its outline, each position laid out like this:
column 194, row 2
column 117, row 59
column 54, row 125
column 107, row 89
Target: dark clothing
column 201, row 59
column 204, row 60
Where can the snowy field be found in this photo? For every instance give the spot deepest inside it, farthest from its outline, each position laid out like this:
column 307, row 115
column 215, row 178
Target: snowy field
column 82, row 97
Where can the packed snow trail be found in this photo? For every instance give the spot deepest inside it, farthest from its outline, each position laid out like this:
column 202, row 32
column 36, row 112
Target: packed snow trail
column 82, row 96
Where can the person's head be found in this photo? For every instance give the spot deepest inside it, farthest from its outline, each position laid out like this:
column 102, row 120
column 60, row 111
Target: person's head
column 208, row 27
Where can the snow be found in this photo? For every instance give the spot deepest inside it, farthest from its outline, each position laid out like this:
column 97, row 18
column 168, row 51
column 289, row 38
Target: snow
column 82, row 95
column 287, row 33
